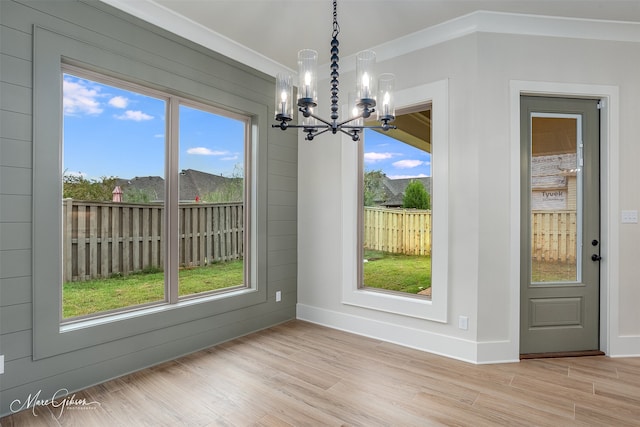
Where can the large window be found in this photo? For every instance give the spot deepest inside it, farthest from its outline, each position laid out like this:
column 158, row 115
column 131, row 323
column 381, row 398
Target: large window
column 153, row 197
column 423, row 159
column 396, row 187
column 145, row 139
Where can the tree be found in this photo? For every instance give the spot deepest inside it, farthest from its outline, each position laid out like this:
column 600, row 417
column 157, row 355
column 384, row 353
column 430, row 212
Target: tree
column 232, row 190
column 79, row 188
column 373, row 187
column 137, row 195
column 416, row 196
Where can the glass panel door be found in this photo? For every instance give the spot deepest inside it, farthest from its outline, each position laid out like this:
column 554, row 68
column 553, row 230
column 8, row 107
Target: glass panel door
column 556, row 198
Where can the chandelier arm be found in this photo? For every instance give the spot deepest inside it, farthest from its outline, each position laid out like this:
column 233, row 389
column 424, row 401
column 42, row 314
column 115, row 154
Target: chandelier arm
column 327, row 127
column 368, row 126
column 384, row 127
column 330, row 124
column 359, row 116
column 320, row 132
column 347, row 132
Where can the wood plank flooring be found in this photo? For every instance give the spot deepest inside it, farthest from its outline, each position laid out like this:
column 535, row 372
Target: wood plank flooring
column 301, row 374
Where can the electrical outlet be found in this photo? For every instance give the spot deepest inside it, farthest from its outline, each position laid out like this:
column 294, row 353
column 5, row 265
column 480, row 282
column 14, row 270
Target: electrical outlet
column 463, row 322
column 1, row 363
column 278, row 296
column 629, row 217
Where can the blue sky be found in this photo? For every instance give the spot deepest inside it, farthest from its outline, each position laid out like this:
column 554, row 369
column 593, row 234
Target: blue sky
column 396, row 159
column 115, row 132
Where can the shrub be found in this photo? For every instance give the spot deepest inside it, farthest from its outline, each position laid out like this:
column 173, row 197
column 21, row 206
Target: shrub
column 416, row 196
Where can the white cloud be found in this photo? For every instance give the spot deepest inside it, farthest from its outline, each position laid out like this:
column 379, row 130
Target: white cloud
column 407, row 164
column 203, row 151
column 376, row 157
column 159, row 135
column 229, row 158
column 119, row 102
column 136, row 116
column 79, row 99
column 421, row 175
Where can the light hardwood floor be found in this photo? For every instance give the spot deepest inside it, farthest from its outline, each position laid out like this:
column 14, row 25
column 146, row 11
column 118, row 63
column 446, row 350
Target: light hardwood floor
column 300, row 374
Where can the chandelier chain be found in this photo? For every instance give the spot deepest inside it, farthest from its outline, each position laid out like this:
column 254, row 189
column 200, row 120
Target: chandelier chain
column 336, row 26
column 334, row 64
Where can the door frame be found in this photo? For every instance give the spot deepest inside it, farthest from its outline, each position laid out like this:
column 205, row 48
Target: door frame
column 609, row 159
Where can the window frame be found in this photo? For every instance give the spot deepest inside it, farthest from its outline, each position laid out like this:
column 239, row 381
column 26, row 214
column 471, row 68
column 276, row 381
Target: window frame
column 51, row 51
column 435, row 94
column 172, row 285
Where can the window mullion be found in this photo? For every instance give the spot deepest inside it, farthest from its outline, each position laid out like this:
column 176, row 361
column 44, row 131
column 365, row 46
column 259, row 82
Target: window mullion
column 172, row 217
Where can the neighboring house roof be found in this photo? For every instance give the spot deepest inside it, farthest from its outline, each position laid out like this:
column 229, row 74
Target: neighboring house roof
column 394, row 189
column 152, row 185
column 193, row 184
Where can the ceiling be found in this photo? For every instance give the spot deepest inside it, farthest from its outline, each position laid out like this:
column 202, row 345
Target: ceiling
column 277, row 29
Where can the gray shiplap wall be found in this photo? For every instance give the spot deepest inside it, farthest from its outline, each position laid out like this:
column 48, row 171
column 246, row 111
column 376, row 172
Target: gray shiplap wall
column 87, row 366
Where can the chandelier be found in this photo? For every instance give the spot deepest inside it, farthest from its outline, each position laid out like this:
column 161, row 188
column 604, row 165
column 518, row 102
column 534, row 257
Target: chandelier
column 362, row 103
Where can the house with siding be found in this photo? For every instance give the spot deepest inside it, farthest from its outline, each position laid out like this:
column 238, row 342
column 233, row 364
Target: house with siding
column 472, row 70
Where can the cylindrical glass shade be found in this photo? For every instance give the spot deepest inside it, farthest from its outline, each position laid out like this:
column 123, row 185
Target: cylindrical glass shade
column 284, row 97
column 308, row 75
column 365, row 82
column 386, row 97
column 354, row 110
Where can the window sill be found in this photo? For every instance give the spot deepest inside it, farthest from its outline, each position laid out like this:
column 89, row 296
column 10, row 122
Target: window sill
column 409, row 306
column 132, row 313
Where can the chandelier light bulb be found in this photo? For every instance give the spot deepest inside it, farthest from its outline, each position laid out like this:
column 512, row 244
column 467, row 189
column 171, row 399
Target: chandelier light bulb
column 284, row 91
column 365, row 85
column 386, row 88
column 307, row 74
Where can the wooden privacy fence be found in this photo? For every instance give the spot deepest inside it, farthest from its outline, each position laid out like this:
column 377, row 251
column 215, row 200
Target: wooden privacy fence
column 553, row 235
column 101, row 239
column 400, row 231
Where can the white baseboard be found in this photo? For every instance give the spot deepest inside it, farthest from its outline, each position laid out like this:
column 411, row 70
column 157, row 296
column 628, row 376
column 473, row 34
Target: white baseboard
column 443, row 345
column 497, row 352
column 625, row 346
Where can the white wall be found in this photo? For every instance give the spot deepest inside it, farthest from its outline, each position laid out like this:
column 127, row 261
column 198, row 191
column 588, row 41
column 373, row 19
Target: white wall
column 482, row 281
column 581, row 67
column 322, row 227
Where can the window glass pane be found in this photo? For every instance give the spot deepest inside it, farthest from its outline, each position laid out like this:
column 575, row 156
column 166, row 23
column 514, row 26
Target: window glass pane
column 113, row 197
column 556, row 182
column 397, row 206
column 211, row 208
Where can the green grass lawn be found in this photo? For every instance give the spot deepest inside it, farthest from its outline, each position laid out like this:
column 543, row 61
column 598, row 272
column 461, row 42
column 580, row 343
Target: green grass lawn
column 397, row 272
column 552, row 271
column 394, row 272
column 96, row 296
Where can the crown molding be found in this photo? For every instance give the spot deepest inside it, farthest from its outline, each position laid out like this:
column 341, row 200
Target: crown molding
column 156, row 14
column 508, row 23
column 476, row 22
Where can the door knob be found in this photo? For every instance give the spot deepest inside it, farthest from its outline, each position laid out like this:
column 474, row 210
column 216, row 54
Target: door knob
column 595, row 257
column 594, row 242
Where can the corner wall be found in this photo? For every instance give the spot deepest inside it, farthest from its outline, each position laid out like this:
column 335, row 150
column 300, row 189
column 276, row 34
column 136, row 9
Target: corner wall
column 324, row 167
column 483, row 271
